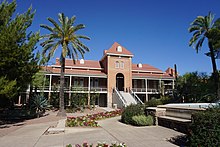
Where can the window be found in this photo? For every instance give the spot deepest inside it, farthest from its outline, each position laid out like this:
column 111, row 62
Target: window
column 91, row 82
column 81, row 83
column 116, row 64
column 135, row 83
column 75, row 82
column 122, row 64
column 119, row 49
column 96, row 83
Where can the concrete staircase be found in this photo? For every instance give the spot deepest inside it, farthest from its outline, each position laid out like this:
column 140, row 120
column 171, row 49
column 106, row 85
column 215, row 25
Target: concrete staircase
column 128, row 97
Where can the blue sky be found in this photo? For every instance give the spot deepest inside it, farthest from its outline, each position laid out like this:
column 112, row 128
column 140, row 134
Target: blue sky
column 156, row 32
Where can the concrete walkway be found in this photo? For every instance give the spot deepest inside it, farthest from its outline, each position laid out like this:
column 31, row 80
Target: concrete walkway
column 112, row 130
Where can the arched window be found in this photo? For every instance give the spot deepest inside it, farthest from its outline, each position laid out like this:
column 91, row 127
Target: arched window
column 122, row 64
column 116, row 64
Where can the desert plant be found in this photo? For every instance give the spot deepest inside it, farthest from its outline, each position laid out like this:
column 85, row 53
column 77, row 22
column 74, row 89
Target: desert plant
column 143, row 120
column 39, row 104
column 131, row 111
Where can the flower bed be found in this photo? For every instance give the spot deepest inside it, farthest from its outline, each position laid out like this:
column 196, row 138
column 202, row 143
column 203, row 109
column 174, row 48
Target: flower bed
column 90, row 120
column 98, row 145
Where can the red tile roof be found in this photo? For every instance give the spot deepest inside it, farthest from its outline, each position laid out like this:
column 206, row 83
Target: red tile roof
column 146, row 67
column 87, row 63
column 113, row 50
column 153, row 75
column 75, row 71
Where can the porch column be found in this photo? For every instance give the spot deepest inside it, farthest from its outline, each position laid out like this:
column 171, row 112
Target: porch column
column 19, row 100
column 160, row 86
column 70, row 89
column 49, row 94
column 146, row 90
column 89, row 92
column 50, row 82
column 173, row 85
column 89, row 84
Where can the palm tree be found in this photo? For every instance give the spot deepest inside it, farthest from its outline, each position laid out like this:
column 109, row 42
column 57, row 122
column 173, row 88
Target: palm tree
column 203, row 28
column 63, row 34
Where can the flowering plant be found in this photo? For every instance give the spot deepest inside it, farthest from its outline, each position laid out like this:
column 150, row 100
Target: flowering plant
column 90, row 119
column 98, row 145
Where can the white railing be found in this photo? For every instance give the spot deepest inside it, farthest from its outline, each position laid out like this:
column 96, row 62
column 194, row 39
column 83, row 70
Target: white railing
column 151, row 90
column 79, row 88
column 138, row 100
column 118, row 99
column 139, row 89
column 98, row 89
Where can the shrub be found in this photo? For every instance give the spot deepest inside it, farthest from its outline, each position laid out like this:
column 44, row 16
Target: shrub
column 142, row 120
column 154, row 102
column 165, row 99
column 131, row 111
column 205, row 128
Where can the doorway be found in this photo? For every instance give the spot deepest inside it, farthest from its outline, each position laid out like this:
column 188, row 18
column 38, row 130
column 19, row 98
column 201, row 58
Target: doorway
column 120, row 82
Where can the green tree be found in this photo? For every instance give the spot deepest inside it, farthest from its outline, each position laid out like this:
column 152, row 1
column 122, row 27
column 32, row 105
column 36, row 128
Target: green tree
column 203, row 27
column 196, row 87
column 40, row 81
column 63, row 34
column 18, row 63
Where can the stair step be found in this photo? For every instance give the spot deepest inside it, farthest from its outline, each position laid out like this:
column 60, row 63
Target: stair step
column 175, row 119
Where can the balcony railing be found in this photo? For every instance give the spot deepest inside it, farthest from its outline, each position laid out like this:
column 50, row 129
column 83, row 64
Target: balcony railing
column 153, row 90
column 98, row 89
column 73, row 88
column 139, row 89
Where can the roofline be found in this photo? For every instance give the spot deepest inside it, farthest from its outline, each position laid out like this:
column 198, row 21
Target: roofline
column 151, row 71
column 149, row 77
column 120, row 55
column 80, row 67
column 78, row 75
column 152, row 78
column 106, row 54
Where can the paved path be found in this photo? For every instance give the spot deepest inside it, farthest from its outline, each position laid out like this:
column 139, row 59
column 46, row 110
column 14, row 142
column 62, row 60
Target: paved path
column 111, row 130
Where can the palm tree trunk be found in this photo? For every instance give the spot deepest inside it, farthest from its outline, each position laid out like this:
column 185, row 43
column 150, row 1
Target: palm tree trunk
column 62, row 110
column 215, row 71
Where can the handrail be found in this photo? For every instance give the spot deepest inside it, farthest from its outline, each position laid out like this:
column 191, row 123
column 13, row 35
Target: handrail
column 120, row 96
column 136, row 97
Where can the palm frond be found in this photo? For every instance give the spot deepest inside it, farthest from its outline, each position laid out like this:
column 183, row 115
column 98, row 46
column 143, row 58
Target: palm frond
column 53, row 48
column 82, row 36
column 46, row 42
column 47, row 27
column 193, row 28
column 46, row 48
column 71, row 21
column 55, row 24
column 64, row 33
column 199, row 44
column 78, row 27
column 82, row 45
column 194, row 39
column 217, row 24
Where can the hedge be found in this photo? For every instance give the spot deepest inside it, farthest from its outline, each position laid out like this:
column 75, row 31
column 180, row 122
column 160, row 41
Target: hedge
column 205, row 128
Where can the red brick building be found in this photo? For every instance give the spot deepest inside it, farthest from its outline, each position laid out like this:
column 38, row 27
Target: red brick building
column 114, row 73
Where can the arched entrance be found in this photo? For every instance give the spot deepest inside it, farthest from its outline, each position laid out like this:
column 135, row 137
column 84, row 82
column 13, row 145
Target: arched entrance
column 120, row 82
